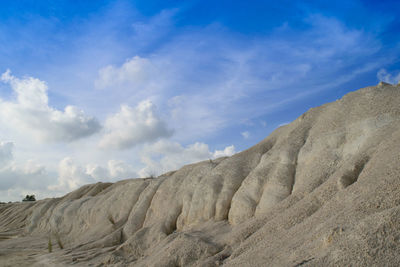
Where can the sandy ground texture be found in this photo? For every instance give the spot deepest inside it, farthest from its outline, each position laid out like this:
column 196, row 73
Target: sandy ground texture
column 321, row 191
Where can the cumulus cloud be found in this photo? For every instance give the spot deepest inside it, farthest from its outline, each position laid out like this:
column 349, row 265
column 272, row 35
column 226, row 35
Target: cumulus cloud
column 164, row 156
column 72, row 175
column 31, row 113
column 133, row 126
column 384, row 76
column 120, row 169
column 116, row 169
column 228, row 151
column 20, row 178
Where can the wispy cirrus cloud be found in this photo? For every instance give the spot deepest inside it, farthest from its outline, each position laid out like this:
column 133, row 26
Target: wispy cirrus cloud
column 384, row 76
column 137, row 72
column 245, row 134
column 218, row 78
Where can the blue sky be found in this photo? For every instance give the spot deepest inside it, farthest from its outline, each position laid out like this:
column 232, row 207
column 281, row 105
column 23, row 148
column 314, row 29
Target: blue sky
column 104, row 90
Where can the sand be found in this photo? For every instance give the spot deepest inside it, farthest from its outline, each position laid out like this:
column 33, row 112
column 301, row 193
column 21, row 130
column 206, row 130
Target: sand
column 323, row 190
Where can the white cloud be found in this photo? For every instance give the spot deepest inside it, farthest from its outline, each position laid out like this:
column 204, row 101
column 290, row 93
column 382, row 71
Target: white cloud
column 27, row 177
column 133, row 126
column 164, row 156
column 18, row 178
column 387, row 77
column 31, row 113
column 72, row 175
column 5, row 153
column 116, row 169
column 245, row 134
column 120, row 169
column 136, row 71
column 228, row 151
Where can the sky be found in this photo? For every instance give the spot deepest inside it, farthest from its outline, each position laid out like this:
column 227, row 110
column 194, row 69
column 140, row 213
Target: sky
column 107, row 90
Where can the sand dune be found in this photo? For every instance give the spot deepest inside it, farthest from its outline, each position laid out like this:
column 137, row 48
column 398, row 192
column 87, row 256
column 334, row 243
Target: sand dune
column 323, row 190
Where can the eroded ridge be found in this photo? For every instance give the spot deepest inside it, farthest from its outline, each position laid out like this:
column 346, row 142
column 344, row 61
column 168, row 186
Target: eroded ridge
column 328, row 181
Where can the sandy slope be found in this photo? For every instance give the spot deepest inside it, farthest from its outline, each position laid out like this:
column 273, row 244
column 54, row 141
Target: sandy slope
column 321, row 191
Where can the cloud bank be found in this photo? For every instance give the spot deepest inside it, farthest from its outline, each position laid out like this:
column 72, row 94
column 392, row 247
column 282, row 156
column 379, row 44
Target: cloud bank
column 25, row 177
column 165, row 155
column 72, row 175
column 20, row 178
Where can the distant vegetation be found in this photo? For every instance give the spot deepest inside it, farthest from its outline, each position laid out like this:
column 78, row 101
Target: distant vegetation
column 29, row 198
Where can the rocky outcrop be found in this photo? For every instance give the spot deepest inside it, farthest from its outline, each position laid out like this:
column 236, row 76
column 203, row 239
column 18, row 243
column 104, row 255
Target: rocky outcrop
column 323, row 190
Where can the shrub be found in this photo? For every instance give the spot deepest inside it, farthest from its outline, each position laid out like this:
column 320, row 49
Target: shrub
column 49, row 245
column 29, row 198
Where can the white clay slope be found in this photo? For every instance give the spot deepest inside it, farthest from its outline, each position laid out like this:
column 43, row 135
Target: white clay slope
column 321, row 191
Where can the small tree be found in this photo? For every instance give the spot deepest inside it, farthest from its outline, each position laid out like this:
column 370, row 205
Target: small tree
column 29, row 198
column 151, row 174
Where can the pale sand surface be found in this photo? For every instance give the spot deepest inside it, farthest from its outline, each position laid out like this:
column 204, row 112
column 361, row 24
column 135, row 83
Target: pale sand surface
column 321, row 191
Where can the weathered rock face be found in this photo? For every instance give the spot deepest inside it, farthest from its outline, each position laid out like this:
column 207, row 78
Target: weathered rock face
column 323, row 190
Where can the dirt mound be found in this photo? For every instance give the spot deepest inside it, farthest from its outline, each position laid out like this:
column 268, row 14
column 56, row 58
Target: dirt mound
column 323, row 190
